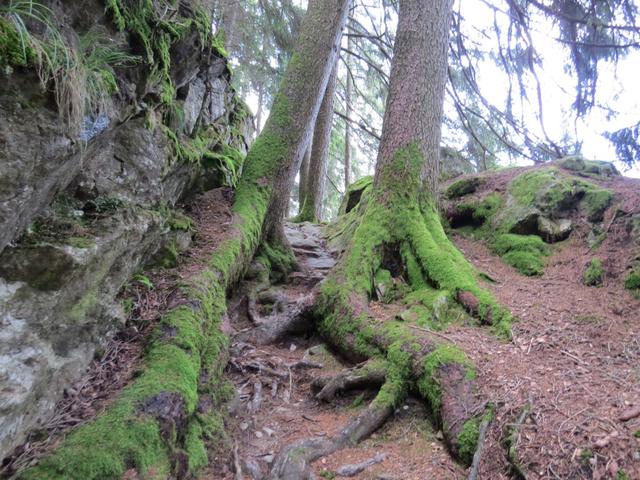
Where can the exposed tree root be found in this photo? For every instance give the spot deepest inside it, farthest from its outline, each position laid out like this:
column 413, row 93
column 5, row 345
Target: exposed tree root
column 294, row 461
column 371, row 374
column 285, row 316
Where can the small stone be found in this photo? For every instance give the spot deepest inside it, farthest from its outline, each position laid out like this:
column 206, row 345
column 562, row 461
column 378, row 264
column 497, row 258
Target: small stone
column 324, row 461
column 268, row 431
column 439, row 435
column 268, row 458
column 244, row 426
column 259, row 434
column 405, row 407
column 293, row 347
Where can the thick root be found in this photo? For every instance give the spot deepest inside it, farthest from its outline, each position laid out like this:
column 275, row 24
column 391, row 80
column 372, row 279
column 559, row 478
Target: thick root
column 371, row 374
column 286, row 316
column 294, row 462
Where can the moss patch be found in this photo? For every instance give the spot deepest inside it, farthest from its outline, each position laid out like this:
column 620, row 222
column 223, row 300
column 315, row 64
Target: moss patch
column 594, row 274
column 632, row 281
column 523, row 252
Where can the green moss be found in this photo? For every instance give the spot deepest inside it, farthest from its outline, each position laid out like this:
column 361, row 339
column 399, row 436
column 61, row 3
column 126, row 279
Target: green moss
column 552, row 192
column 596, row 201
column 579, row 164
column 463, row 187
column 637, row 434
column 14, row 49
column 429, row 383
column 80, row 242
column 632, row 281
column 594, row 274
column 523, row 252
column 525, row 262
column 468, row 440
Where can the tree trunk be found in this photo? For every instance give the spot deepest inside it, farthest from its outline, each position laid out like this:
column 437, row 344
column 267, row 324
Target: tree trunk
column 278, row 151
column 302, row 184
column 311, row 202
column 398, row 236
column 347, row 127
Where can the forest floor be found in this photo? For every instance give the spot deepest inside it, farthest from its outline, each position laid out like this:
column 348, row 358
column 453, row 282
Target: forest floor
column 573, row 367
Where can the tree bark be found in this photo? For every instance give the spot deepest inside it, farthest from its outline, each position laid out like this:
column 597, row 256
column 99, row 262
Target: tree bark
column 347, row 127
column 302, row 184
column 311, row 202
column 413, row 113
column 289, row 127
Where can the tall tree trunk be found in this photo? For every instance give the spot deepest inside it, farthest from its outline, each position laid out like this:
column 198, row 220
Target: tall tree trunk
column 347, row 125
column 311, row 202
column 303, row 182
column 287, row 133
column 399, row 240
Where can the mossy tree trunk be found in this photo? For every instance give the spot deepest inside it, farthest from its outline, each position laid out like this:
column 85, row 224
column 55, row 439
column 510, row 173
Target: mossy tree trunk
column 275, row 157
column 311, row 202
column 399, row 234
column 302, row 184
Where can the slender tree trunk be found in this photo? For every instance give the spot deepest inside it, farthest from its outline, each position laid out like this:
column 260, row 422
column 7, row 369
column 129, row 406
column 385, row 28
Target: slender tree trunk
column 259, row 111
column 295, row 109
column 347, row 126
column 413, row 113
column 311, row 202
column 303, row 182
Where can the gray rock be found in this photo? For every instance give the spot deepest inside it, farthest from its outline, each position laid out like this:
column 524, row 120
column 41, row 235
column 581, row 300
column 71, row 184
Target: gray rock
column 554, row 230
column 56, row 307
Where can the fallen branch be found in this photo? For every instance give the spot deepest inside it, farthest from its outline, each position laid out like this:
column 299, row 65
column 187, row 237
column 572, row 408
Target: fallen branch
column 360, row 377
column 512, row 443
column 294, row 461
column 475, row 465
column 629, row 414
column 355, row 468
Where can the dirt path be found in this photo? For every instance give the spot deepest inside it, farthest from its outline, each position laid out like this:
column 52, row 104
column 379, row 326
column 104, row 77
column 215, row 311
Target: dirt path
column 276, row 406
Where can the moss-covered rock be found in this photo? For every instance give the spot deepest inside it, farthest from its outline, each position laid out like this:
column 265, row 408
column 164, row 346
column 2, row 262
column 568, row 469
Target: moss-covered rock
column 579, row 164
column 462, row 187
column 523, row 252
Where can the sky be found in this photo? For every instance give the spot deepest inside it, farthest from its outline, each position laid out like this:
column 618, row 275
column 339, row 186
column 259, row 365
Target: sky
column 618, row 88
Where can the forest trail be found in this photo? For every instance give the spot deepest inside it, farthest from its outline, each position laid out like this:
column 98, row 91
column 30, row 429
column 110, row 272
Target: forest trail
column 276, row 406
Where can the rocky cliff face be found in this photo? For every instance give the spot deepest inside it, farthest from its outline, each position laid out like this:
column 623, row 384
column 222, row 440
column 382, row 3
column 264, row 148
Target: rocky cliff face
column 86, row 200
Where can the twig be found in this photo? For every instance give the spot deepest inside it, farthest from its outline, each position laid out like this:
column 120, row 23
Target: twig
column 437, row 334
column 629, row 414
column 477, row 456
column 236, row 462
